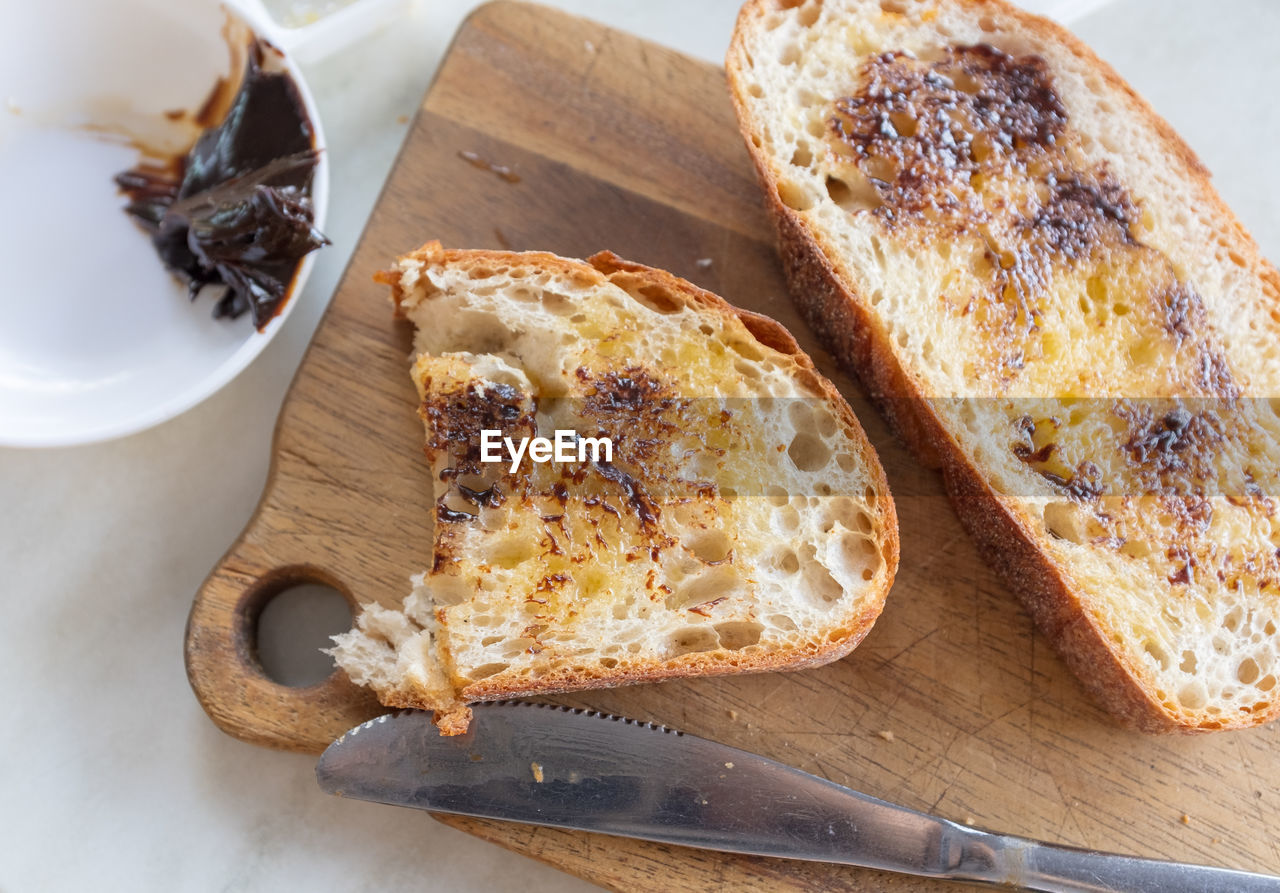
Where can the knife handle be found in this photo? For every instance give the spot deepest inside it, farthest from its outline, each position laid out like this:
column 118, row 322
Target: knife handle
column 1015, row 861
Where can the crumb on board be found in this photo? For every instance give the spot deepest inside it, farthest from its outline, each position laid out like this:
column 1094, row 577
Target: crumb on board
column 1186, row 819
column 886, row 735
column 728, row 765
column 588, row 46
column 537, row 772
column 733, row 714
column 703, row 263
column 969, row 820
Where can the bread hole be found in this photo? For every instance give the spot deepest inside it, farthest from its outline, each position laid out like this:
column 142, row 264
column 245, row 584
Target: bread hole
column 1189, row 662
column 578, row 318
column 965, row 82
column 714, row 583
column 711, row 546
column 748, row 350
column 816, row 128
column 782, row 622
column 756, row 91
column 987, row 24
column 746, row 370
column 658, row 299
column 894, row 7
column 847, row 462
column 517, row 646
column 1193, row 696
column 789, row 4
column 483, row 621
column 808, row 98
column 826, row 422
column 1062, row 521
column 1248, row 671
column 448, row 589
column 608, row 662
column 292, row 627
column 821, row 587
column 859, row 555
column 789, row 563
column 490, row 640
column 1266, row 683
column 486, row 332
column 693, row 639
column 1135, row 549
column 1158, row 654
column 846, row 512
column 484, row 671
column 794, row 196
column 790, row 54
column 787, row 519
column 778, row 496
column 738, row 634
column 1269, row 629
column 1144, row 353
column 622, row 610
column 904, row 123
column 1233, row 619
column 480, row 272
column 510, row 551
column 802, row 157
column 809, row 14
column 633, row 647
column 808, row 452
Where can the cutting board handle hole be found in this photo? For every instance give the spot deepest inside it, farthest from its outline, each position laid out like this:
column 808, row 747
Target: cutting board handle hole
column 289, row 619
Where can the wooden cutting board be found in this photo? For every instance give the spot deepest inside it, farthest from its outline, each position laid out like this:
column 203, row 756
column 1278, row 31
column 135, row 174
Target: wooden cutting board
column 953, row 704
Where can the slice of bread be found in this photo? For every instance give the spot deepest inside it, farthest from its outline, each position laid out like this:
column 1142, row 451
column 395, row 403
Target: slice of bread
column 741, row 522
column 1037, row 282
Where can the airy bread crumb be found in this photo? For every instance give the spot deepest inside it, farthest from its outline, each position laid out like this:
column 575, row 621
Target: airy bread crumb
column 1036, row 280
column 742, row 524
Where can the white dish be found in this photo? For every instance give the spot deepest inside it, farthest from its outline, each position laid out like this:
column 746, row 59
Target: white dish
column 97, row 339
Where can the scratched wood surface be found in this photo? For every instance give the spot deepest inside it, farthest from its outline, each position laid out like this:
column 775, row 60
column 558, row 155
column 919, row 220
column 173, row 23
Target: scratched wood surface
column 953, row 704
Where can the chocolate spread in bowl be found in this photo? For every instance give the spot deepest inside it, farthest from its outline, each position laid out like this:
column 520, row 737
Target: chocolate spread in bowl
column 236, row 210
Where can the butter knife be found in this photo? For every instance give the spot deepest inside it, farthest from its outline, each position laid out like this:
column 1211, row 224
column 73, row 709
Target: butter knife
column 588, row 771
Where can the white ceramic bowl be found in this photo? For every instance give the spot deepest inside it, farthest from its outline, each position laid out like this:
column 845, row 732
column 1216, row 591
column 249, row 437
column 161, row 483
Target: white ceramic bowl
column 97, row 339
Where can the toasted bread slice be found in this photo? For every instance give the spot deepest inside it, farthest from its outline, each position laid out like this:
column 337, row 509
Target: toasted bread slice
column 741, row 521
column 1034, row 277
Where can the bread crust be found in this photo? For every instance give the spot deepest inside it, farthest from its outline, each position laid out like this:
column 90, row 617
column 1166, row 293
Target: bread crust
column 832, row 305
column 838, row 641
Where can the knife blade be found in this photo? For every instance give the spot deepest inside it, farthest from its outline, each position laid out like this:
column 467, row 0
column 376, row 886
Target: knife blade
column 577, row 769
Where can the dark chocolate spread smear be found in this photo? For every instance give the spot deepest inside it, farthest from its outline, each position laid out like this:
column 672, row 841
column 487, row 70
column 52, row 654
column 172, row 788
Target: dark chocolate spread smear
column 236, row 210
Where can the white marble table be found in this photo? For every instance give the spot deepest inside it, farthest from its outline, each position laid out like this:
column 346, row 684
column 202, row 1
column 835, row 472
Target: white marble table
column 113, row 777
